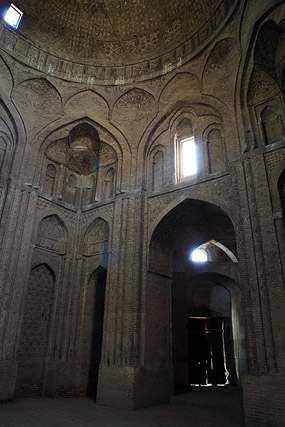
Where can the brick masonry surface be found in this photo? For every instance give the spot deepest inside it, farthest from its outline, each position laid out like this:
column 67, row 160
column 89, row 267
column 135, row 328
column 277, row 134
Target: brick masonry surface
column 97, row 289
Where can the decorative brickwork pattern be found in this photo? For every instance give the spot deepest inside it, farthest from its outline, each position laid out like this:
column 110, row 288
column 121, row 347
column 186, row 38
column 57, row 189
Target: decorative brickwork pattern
column 95, row 103
column 37, row 315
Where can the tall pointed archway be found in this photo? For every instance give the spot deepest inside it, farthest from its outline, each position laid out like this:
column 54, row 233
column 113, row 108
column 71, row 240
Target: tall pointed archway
column 171, row 280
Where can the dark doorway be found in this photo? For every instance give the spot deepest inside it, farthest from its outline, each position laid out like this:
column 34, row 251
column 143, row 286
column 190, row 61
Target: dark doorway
column 206, row 351
column 98, row 280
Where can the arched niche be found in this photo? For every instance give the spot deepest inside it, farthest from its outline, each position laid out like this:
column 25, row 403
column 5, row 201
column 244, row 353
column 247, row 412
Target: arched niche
column 158, row 170
column 109, row 184
column 87, row 168
column 35, row 330
column 84, row 136
column 216, row 151
column 272, row 125
column 96, row 238
column 158, row 174
column 50, row 179
column 264, row 92
column 84, row 147
column 266, row 47
column 52, row 234
column 89, row 191
column 70, row 193
column 182, row 121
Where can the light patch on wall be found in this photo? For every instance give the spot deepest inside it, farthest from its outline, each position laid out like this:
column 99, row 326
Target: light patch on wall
column 199, row 255
column 13, row 16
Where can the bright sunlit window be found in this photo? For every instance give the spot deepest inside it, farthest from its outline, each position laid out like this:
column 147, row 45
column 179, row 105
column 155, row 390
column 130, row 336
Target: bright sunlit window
column 189, row 163
column 199, row 255
column 186, row 158
column 13, row 16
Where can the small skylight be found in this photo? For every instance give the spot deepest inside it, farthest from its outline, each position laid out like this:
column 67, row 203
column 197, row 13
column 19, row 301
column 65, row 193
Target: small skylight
column 199, row 255
column 13, row 16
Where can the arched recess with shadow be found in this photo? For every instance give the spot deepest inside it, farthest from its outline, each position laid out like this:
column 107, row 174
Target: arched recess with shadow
column 92, row 326
column 172, row 280
column 35, row 330
column 95, row 244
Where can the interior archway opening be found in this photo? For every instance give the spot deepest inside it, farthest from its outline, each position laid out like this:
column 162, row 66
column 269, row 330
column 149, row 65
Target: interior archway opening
column 207, row 330
column 206, row 333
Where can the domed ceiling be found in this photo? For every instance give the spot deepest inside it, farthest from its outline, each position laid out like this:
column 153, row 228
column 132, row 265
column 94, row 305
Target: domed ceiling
column 119, row 33
column 112, row 32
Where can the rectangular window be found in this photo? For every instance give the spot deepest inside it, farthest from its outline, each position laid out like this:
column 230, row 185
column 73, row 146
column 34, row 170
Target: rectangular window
column 186, row 158
column 13, row 16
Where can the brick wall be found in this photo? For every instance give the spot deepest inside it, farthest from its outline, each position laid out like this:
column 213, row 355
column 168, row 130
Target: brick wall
column 8, row 372
column 264, row 400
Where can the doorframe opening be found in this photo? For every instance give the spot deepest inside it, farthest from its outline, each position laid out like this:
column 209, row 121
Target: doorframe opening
column 209, row 364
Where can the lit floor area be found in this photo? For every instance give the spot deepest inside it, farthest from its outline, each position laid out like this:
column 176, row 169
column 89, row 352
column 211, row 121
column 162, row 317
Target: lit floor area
column 200, row 407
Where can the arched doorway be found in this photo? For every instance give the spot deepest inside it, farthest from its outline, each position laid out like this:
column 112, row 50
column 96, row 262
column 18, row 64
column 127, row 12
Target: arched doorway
column 179, row 291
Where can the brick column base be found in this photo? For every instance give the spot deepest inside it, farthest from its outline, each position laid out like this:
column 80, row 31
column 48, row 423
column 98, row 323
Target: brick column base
column 133, row 387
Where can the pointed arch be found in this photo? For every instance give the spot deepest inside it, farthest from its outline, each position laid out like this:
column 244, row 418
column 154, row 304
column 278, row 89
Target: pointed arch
column 50, row 179
column 109, row 184
column 52, row 234
column 215, row 250
column 96, row 238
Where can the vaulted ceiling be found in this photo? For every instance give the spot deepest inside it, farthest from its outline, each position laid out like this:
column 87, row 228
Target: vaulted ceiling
column 112, row 32
column 112, row 41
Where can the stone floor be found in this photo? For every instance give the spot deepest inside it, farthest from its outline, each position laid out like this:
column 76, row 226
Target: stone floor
column 215, row 407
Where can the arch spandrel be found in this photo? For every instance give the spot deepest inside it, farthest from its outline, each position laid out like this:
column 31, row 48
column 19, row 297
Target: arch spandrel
column 93, row 104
